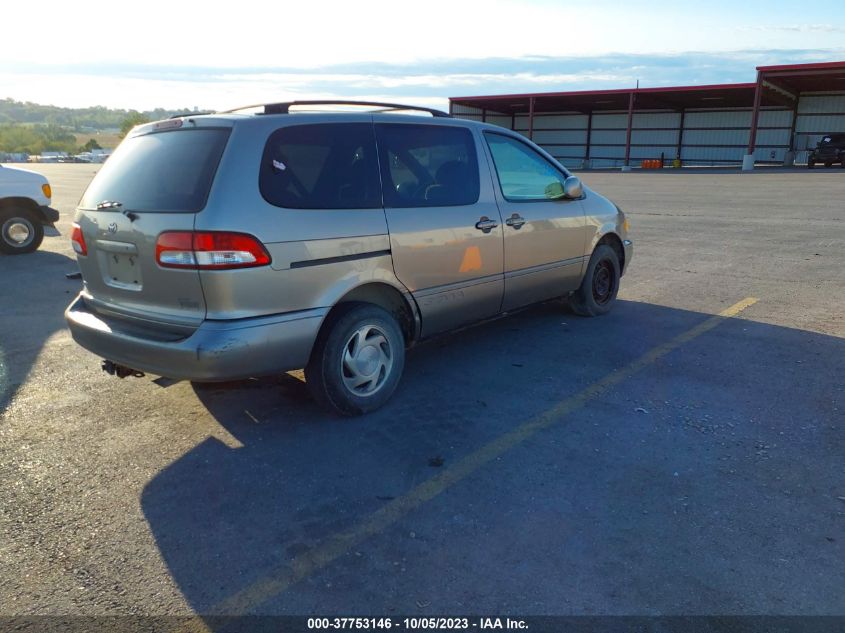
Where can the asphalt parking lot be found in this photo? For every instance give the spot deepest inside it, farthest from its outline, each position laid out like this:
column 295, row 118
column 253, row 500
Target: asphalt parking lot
column 659, row 460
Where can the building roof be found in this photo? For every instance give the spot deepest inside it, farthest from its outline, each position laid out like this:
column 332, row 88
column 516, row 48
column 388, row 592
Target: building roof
column 798, row 78
column 781, row 85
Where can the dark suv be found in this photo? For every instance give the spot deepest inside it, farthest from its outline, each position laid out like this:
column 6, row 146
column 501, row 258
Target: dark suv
column 830, row 150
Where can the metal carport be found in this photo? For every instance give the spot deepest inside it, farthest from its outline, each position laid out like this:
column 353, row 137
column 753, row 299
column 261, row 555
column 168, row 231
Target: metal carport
column 767, row 121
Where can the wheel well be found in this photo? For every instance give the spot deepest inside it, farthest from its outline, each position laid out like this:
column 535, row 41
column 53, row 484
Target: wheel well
column 387, row 297
column 612, row 240
column 21, row 203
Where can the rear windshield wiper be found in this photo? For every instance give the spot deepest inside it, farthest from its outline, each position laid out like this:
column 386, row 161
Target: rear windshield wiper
column 108, row 204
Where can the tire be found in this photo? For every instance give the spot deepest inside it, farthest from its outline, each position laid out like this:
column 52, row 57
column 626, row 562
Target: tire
column 362, row 343
column 600, row 285
column 811, row 165
column 19, row 232
column 828, row 165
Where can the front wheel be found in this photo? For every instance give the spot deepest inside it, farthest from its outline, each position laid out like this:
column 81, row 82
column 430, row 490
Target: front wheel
column 600, row 285
column 19, row 233
column 357, row 360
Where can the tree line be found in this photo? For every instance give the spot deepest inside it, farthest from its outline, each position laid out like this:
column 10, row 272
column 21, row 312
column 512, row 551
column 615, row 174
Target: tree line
column 32, row 128
column 75, row 119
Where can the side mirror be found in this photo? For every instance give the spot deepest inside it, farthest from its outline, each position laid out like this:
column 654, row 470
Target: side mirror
column 572, row 187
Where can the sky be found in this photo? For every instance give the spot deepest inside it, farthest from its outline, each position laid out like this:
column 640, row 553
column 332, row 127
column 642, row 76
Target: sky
column 222, row 55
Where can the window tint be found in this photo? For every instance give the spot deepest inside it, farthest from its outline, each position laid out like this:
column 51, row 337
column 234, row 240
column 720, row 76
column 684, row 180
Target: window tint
column 427, row 165
column 164, row 171
column 321, row 166
column 523, row 173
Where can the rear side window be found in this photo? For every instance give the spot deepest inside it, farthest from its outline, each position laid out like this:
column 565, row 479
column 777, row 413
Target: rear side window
column 164, row 171
column 321, row 166
column 427, row 165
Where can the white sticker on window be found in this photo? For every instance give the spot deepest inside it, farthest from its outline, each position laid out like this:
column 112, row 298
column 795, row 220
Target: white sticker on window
column 279, row 165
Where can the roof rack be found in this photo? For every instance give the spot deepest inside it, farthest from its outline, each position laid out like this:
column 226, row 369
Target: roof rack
column 284, row 108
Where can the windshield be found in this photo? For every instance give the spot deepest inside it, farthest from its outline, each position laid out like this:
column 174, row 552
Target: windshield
column 160, row 172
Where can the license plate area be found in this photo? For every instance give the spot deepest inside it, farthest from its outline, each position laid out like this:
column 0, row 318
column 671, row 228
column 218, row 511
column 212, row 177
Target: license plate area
column 121, row 270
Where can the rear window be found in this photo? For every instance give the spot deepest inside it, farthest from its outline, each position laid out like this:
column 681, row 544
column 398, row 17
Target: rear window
column 321, row 166
column 160, row 172
column 427, row 165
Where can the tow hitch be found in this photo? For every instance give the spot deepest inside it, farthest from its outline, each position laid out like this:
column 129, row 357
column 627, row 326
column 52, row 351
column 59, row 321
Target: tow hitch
column 121, row 371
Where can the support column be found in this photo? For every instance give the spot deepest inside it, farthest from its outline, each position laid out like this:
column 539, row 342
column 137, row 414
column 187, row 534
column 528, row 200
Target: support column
column 451, row 108
column 589, row 134
column 792, row 127
column 789, row 158
column 483, row 115
column 748, row 159
column 531, row 118
column 627, row 165
column 681, row 136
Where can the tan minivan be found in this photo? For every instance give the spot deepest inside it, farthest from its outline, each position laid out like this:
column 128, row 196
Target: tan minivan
column 252, row 242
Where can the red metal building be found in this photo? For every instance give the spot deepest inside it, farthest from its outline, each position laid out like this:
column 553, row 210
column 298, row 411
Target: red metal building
column 772, row 120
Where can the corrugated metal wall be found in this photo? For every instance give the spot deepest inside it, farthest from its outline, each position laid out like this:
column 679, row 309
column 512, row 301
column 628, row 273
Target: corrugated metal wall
column 563, row 135
column 818, row 114
column 710, row 136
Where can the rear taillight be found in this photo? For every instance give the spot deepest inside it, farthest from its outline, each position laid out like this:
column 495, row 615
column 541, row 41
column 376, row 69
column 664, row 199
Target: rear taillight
column 78, row 240
column 209, row 250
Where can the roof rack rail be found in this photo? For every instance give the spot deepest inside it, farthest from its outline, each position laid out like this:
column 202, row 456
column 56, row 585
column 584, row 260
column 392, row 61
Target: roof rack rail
column 284, row 108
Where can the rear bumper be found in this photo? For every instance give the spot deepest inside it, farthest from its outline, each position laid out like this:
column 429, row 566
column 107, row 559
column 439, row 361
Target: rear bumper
column 825, row 158
column 628, row 245
column 216, row 351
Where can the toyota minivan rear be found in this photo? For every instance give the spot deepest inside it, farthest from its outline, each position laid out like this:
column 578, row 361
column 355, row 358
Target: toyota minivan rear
column 142, row 304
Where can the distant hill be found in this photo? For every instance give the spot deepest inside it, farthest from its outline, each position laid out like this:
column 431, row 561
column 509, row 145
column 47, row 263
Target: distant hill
column 32, row 128
column 74, row 119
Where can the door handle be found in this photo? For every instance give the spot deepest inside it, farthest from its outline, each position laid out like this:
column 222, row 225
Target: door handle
column 516, row 221
column 485, row 224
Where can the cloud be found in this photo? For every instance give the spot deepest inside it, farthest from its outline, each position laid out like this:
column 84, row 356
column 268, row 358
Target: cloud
column 793, row 28
column 429, row 82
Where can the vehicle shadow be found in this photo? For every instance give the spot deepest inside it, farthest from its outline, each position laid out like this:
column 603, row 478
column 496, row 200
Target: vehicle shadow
column 583, row 517
column 33, row 295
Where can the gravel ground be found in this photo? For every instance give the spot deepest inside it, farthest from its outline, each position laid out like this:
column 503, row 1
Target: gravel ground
column 709, row 482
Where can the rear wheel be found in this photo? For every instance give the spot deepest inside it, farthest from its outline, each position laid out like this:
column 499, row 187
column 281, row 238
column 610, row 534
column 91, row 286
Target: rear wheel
column 357, row 360
column 19, row 233
column 600, row 285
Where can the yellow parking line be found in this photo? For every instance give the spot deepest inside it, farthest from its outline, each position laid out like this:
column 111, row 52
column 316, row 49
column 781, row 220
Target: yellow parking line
column 335, row 546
